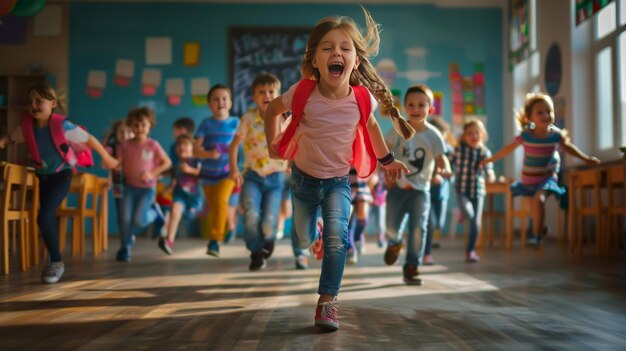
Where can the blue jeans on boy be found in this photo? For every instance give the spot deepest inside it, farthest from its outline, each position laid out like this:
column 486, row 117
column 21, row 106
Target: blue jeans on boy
column 439, row 195
column 260, row 200
column 332, row 196
column 471, row 209
column 136, row 211
column 415, row 203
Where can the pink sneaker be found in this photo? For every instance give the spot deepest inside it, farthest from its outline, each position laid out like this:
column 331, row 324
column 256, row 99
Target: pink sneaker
column 472, row 257
column 326, row 316
column 428, row 260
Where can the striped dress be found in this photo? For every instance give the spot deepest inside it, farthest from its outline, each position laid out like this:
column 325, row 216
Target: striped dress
column 541, row 158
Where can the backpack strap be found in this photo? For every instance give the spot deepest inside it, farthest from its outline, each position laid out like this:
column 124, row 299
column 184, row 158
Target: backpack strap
column 363, row 152
column 301, row 95
column 58, row 138
column 26, row 124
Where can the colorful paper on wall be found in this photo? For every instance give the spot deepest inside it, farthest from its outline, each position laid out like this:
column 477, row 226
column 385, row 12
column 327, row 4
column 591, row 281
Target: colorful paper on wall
column 174, row 90
column 191, row 54
column 96, row 82
column 47, row 23
column 199, row 89
column 159, row 51
column 150, row 81
column 124, row 72
column 437, row 104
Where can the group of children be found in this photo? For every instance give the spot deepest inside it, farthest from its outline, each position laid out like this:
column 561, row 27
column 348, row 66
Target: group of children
column 331, row 130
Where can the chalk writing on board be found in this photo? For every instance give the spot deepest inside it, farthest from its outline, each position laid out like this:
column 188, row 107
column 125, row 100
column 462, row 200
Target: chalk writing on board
column 254, row 50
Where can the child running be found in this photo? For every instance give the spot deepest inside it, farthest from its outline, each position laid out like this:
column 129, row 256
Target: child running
column 332, row 125
column 541, row 141
column 410, row 195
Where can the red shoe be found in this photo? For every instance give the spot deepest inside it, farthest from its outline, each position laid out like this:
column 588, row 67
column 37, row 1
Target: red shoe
column 318, row 246
column 326, row 316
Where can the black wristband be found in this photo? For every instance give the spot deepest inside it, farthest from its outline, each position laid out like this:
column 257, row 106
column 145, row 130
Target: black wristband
column 387, row 159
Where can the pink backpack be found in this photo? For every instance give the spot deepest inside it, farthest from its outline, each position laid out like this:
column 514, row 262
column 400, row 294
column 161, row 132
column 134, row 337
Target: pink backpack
column 71, row 155
column 363, row 157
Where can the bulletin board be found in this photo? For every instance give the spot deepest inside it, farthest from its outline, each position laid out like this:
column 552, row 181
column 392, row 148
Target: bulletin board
column 252, row 50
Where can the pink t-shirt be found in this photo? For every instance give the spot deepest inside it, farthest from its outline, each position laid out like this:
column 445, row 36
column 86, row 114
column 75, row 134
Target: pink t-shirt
column 138, row 158
column 326, row 133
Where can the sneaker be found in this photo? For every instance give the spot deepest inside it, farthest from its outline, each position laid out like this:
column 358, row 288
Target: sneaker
column 268, row 249
column 472, row 257
column 280, row 234
column 326, row 316
column 353, row 256
column 360, row 246
column 213, row 249
column 302, row 262
column 392, row 253
column 257, row 261
column 410, row 274
column 123, row 255
column 166, row 245
column 533, row 240
column 428, row 260
column 382, row 243
column 52, row 272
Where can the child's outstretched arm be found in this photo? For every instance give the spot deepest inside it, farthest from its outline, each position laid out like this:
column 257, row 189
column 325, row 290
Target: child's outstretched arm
column 233, row 155
column 394, row 169
column 107, row 160
column 13, row 137
column 272, row 126
column 574, row 151
column 500, row 154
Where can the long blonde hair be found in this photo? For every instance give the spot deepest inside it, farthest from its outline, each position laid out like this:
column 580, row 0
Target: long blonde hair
column 366, row 46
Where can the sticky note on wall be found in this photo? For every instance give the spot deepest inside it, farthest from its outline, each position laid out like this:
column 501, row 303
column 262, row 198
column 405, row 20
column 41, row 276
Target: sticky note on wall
column 191, row 54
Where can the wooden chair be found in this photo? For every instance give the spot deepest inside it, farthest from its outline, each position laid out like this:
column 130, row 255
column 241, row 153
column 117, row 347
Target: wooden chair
column 85, row 185
column 584, row 182
column 491, row 213
column 13, row 208
column 616, row 209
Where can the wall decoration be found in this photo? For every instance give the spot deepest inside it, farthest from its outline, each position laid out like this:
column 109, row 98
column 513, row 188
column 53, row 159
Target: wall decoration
column 150, row 81
column 191, row 54
column 6, row 6
column 174, row 90
column 13, row 30
column 587, row 8
column 518, row 31
column 553, row 69
column 199, row 90
column 96, row 82
column 159, row 51
column 437, row 104
column 468, row 95
column 27, row 8
column 124, row 72
column 252, row 50
column 47, row 23
column 388, row 71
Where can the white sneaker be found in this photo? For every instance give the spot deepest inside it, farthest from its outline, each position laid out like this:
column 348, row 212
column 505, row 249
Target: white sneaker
column 52, row 272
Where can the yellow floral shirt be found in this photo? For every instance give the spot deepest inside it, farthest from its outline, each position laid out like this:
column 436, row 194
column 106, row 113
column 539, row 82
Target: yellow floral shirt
column 252, row 131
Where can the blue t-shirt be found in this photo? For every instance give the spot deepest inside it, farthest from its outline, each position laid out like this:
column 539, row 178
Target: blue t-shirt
column 216, row 134
column 51, row 160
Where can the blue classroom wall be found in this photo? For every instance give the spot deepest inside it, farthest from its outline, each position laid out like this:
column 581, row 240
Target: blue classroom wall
column 101, row 33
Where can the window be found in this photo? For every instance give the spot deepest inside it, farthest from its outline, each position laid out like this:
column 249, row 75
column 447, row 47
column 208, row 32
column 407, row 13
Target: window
column 604, row 98
column 605, row 21
column 622, row 85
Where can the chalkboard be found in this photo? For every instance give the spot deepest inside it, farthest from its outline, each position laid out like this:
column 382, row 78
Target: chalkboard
column 276, row 50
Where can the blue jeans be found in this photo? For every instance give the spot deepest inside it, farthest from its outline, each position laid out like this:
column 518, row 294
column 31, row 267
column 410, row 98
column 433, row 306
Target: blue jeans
column 416, row 204
column 332, row 195
column 136, row 212
column 53, row 188
column 260, row 200
column 471, row 209
column 436, row 219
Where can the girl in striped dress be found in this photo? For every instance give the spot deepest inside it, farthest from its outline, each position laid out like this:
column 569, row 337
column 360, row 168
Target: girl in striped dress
column 469, row 176
column 541, row 141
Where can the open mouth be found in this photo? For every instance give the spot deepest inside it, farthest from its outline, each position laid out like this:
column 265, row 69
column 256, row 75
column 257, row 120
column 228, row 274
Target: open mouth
column 335, row 69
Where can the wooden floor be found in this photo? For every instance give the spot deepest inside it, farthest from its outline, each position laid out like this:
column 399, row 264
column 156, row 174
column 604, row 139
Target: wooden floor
column 519, row 300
